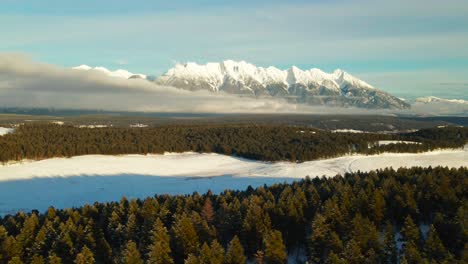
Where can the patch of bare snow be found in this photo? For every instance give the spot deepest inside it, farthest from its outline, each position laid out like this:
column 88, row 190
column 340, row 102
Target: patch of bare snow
column 348, row 131
column 138, row 125
column 60, row 123
column 6, row 130
column 387, row 142
column 92, row 126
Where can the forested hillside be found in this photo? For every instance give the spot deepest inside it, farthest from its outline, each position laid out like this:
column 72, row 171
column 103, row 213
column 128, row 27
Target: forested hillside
column 410, row 215
column 260, row 142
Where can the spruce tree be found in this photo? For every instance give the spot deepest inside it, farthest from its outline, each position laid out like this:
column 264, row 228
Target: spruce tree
column 275, row 250
column 15, row 260
column 390, row 252
column 235, row 252
column 410, row 231
column 378, row 207
column 205, row 254
column 185, row 237
column 333, row 258
column 37, row 260
column 160, row 250
column 86, row 256
column 412, row 253
column 208, row 211
column 192, row 259
column 434, row 248
column 131, row 255
column 353, row 253
column 54, row 259
column 217, row 252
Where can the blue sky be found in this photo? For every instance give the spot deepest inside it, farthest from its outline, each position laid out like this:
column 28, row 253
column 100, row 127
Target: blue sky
column 410, row 48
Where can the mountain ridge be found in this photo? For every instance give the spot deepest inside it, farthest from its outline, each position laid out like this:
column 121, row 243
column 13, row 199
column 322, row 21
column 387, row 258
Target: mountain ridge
column 313, row 87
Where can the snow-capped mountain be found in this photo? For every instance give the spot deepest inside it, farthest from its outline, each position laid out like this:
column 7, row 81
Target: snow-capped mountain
column 118, row 73
column 433, row 99
column 313, row 86
column 432, row 105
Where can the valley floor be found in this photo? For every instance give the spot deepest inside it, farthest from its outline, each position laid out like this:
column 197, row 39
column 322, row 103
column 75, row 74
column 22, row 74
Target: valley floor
column 68, row 182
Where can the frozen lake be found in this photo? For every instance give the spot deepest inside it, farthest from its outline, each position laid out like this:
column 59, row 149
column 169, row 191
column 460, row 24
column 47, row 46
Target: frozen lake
column 67, row 182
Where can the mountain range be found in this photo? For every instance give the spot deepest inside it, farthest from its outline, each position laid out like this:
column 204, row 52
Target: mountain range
column 312, row 87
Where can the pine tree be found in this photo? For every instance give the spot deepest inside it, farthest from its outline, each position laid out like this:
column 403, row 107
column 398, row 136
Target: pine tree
column 205, row 254
column 259, row 257
column 434, row 248
column 131, row 255
column 352, row 253
column 208, row 211
column 275, row 250
column 410, row 231
column 390, row 249
column 27, row 234
column 131, row 228
column 333, row 258
column 86, row 256
column 54, row 259
column 412, row 253
column 192, row 259
column 160, row 250
column 217, row 252
column 317, row 240
column 3, row 237
column 37, row 260
column 15, row 260
column 378, row 207
column 186, row 237
column 235, row 252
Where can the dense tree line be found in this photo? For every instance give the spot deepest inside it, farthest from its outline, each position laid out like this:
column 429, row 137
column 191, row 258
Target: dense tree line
column 416, row 215
column 260, row 142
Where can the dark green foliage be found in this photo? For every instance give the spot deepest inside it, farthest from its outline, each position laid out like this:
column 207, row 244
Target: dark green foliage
column 333, row 220
column 260, row 142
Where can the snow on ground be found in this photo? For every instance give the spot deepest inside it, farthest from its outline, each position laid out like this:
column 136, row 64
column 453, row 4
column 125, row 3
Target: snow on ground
column 67, row 182
column 387, row 142
column 348, row 131
column 58, row 122
column 5, row 130
column 92, row 126
column 138, row 125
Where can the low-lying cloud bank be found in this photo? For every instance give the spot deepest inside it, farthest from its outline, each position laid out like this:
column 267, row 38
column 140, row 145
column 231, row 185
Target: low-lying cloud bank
column 25, row 83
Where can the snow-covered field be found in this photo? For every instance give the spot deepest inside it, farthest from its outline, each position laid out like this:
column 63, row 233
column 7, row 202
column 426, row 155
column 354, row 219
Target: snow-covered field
column 63, row 182
column 5, row 130
column 387, row 142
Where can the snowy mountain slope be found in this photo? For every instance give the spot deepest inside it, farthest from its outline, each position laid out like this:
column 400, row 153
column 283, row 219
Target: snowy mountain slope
column 118, row 73
column 298, row 86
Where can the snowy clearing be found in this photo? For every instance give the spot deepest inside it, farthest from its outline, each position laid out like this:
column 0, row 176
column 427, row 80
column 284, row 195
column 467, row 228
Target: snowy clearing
column 93, row 126
column 348, row 131
column 387, row 142
column 63, row 182
column 5, row 130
